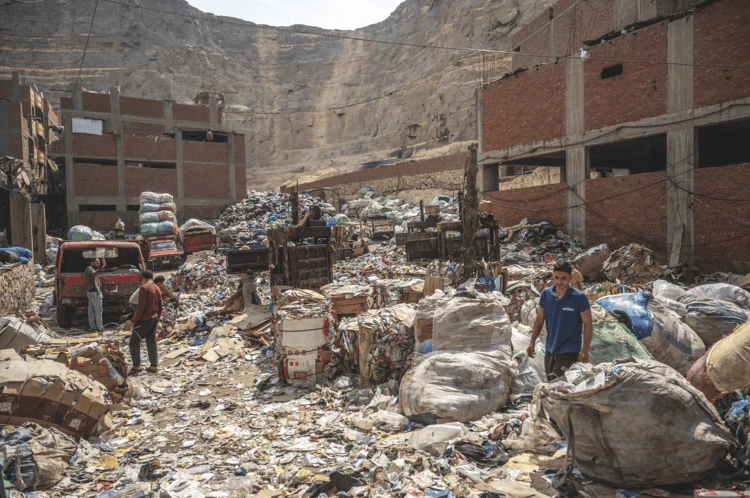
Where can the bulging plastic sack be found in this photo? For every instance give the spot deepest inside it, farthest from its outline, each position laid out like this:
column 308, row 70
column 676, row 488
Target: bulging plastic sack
column 154, row 198
column 725, row 292
column 530, row 374
column 712, row 319
column 80, row 232
column 462, row 386
column 665, row 290
column 638, row 424
column 727, row 362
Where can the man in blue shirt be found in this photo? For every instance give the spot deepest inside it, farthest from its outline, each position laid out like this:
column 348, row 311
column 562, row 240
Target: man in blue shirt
column 567, row 314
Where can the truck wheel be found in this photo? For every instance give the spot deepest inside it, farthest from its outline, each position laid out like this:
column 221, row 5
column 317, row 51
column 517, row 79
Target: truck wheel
column 64, row 318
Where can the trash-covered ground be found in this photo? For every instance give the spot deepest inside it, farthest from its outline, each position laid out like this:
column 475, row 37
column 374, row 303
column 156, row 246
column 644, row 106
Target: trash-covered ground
column 404, row 382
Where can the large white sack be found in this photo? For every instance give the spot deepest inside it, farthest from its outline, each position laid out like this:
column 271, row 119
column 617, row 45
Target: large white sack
column 638, row 424
column 725, row 292
column 468, row 324
column 462, row 386
column 672, row 342
column 727, row 362
column 712, row 319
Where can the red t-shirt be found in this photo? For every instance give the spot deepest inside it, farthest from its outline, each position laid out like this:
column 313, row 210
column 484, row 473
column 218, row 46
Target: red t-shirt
column 149, row 303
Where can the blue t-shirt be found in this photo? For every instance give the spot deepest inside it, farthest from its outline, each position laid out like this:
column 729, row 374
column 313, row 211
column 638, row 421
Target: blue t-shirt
column 563, row 319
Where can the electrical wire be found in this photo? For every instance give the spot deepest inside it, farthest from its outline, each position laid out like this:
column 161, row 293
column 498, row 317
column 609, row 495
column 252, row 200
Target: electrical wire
column 85, row 47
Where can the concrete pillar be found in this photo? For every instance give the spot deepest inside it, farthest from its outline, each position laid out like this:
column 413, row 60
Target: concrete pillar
column 479, row 104
column 168, row 116
column 577, row 166
column 574, row 96
column 680, row 73
column 70, row 187
column 180, row 171
column 232, row 169
column 21, row 228
column 39, row 232
column 78, row 97
column 682, row 159
column 117, row 130
column 213, row 112
column 16, row 86
column 4, row 130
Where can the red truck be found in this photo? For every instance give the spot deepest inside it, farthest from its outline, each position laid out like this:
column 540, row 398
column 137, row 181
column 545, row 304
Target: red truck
column 198, row 239
column 119, row 279
column 163, row 251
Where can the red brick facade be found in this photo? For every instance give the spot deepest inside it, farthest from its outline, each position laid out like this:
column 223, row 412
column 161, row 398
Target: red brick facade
column 525, row 107
column 721, row 37
column 545, row 201
column 640, row 91
column 145, row 108
column 184, row 112
column 95, row 180
column 138, row 180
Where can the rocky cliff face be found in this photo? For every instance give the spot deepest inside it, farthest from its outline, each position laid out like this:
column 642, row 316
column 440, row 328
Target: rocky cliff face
column 309, row 105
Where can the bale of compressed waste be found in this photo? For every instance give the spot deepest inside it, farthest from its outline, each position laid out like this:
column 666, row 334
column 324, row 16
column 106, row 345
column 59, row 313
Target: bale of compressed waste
column 16, row 334
column 461, row 386
column 728, row 360
column 590, row 263
column 38, row 457
column 632, row 264
column 386, row 343
column 637, row 424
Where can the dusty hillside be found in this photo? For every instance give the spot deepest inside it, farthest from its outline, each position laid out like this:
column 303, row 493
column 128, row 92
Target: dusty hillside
column 306, row 103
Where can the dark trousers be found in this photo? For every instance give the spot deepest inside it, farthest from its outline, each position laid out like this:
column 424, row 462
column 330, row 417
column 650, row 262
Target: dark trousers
column 144, row 330
column 556, row 364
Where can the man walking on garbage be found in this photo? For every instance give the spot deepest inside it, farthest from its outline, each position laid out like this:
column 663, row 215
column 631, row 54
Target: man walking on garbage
column 567, row 313
column 94, row 293
column 144, row 322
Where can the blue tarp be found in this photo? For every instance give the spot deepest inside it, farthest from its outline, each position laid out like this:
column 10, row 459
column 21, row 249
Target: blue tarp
column 634, row 305
column 23, row 254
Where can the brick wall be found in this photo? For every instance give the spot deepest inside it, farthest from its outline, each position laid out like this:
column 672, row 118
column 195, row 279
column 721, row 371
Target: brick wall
column 163, row 149
column 525, row 107
column 103, row 221
column 640, row 91
column 208, row 152
column 717, row 220
column 424, row 166
column 240, row 179
column 92, row 145
column 722, row 36
column 185, row 112
column 586, row 20
column 142, row 129
column 205, row 181
column 511, row 206
column 96, row 102
column 201, row 212
column 142, row 107
column 138, row 180
column 239, row 149
column 635, row 210
column 95, row 180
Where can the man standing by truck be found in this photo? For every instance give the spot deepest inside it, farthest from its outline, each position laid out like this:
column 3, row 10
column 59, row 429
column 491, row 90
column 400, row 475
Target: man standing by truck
column 94, row 293
column 144, row 322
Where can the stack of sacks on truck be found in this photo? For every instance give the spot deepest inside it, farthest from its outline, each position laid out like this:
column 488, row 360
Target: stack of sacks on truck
column 157, row 214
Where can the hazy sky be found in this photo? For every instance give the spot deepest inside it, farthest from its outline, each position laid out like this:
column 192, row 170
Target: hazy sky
column 331, row 14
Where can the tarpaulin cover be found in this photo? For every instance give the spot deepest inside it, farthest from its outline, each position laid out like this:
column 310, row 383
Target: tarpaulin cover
column 463, row 386
column 43, row 455
column 712, row 319
column 728, row 361
column 638, row 424
column 23, row 254
column 192, row 223
column 613, row 341
column 635, row 306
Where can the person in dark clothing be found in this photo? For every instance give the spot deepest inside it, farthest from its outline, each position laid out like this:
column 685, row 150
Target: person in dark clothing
column 144, row 322
column 94, row 293
column 166, row 294
column 567, row 314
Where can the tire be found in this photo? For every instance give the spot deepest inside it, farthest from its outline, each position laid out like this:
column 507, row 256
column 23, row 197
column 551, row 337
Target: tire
column 64, row 318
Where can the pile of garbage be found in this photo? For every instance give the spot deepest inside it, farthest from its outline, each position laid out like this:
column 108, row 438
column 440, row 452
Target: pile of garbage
column 157, row 214
column 245, row 223
column 536, row 240
column 401, row 212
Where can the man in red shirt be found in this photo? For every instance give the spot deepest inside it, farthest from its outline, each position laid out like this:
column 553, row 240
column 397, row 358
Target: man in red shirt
column 144, row 321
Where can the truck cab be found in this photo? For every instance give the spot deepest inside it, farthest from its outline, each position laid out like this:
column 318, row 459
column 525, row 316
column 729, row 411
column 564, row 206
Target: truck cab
column 165, row 253
column 118, row 280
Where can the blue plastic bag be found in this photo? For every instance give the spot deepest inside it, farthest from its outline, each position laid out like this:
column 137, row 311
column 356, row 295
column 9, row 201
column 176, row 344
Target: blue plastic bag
column 634, row 305
column 23, row 254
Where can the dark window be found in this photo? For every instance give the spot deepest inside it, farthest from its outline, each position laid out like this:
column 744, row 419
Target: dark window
column 611, row 71
column 133, row 207
column 98, row 162
column 127, row 258
column 96, row 207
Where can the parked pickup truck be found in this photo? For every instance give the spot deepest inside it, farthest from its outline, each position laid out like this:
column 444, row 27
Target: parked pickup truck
column 163, row 251
column 118, row 280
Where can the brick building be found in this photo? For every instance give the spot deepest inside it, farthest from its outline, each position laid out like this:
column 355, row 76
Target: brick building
column 115, row 147
column 649, row 127
column 27, row 131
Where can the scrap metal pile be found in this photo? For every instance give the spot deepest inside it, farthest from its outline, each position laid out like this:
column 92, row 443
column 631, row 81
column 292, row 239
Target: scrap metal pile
column 397, row 379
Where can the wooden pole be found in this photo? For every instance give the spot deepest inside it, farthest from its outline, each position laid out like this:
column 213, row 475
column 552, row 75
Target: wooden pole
column 469, row 212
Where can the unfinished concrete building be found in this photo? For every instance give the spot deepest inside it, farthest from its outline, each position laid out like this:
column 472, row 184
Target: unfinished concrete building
column 29, row 179
column 116, row 147
column 652, row 96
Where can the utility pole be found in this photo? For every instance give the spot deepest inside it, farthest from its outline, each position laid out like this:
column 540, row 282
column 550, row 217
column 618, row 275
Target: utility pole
column 469, row 212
